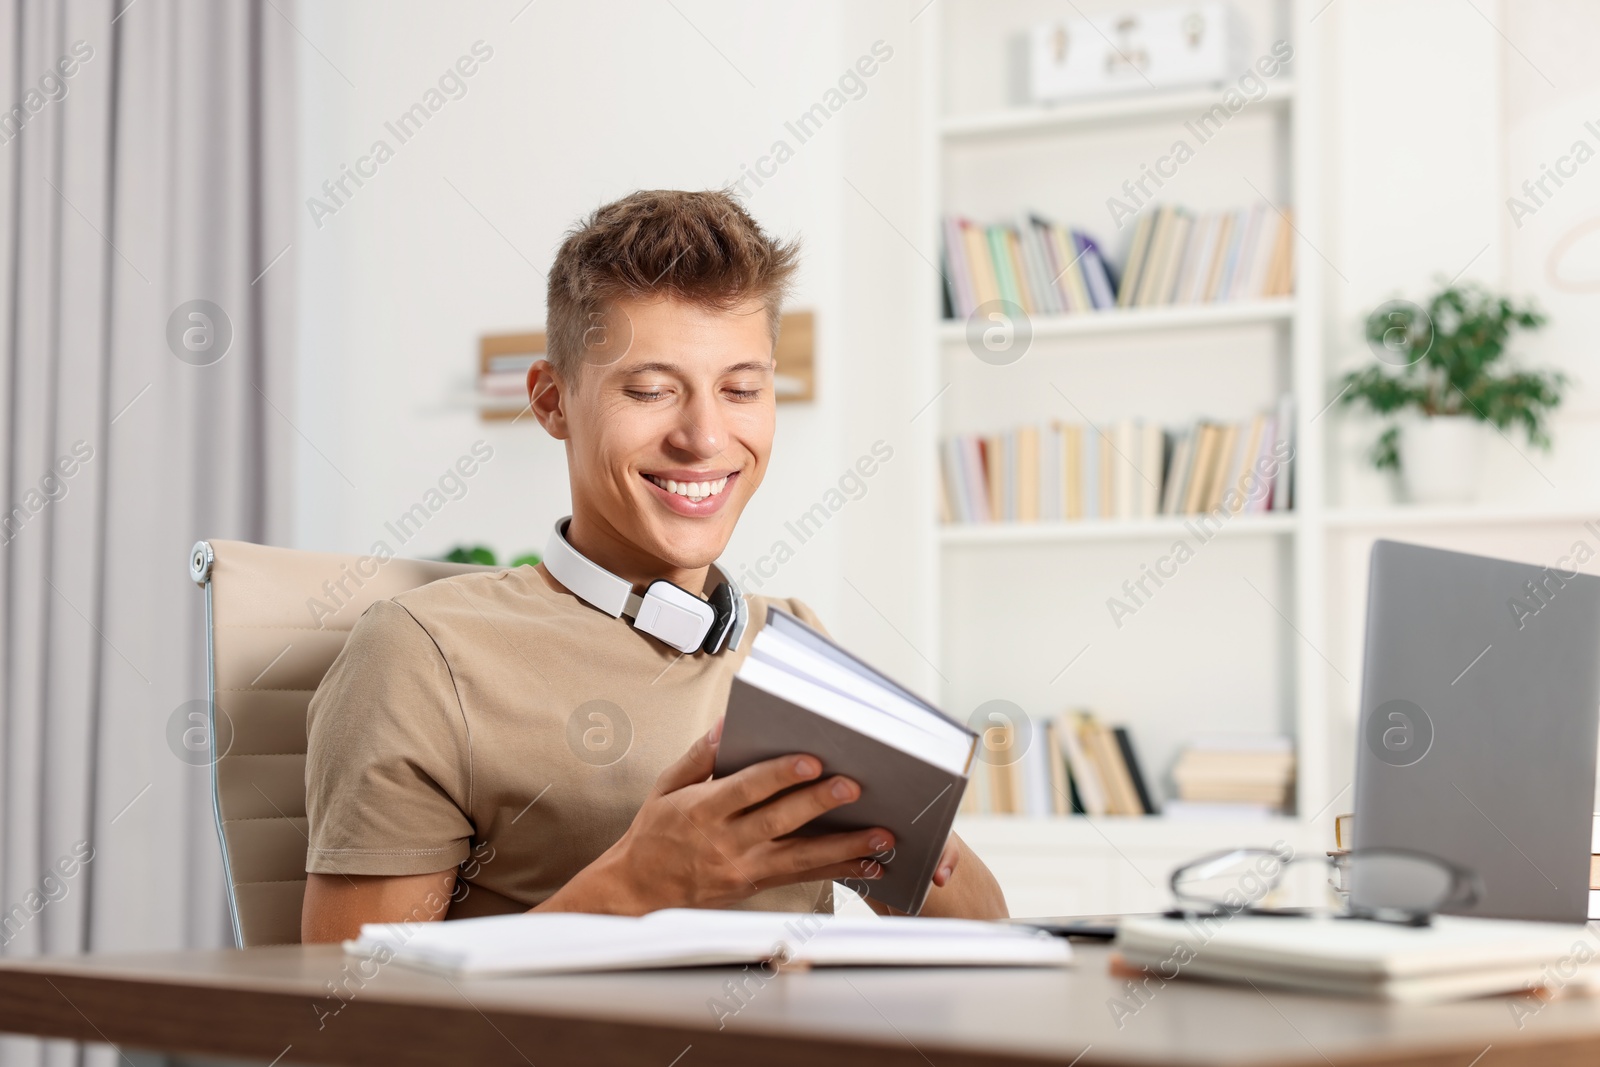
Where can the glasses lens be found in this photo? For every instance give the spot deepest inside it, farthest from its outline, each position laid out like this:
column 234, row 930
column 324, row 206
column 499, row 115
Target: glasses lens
column 1381, row 881
column 1239, row 879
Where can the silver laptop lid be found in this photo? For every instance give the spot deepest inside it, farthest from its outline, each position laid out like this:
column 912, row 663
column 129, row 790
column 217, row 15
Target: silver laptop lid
column 1479, row 705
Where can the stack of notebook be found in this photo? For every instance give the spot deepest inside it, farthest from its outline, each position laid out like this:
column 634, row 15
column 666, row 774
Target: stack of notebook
column 1455, row 958
column 1237, row 773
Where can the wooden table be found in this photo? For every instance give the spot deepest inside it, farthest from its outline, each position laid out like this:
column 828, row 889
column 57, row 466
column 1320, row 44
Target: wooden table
column 315, row 1005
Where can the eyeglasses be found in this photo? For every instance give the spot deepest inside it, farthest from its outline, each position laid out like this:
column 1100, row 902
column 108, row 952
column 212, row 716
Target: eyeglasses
column 1380, row 884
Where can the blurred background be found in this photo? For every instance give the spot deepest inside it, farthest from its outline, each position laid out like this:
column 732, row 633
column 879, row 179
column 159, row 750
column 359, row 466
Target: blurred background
column 259, row 260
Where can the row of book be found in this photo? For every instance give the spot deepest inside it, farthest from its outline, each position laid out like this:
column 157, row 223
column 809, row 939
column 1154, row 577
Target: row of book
column 1062, row 472
column 1072, row 764
column 1174, row 257
column 1041, row 266
column 1178, row 257
column 1076, row 764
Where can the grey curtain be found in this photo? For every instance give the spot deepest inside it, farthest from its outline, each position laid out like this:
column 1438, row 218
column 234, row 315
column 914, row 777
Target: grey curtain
column 146, row 276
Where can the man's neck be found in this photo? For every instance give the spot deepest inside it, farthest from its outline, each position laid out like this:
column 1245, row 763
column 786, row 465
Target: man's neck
column 601, row 544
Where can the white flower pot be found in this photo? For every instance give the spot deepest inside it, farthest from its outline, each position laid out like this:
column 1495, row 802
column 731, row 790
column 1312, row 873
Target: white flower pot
column 1441, row 458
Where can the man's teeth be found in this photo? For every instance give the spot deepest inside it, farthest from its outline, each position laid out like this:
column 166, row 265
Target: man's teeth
column 693, row 490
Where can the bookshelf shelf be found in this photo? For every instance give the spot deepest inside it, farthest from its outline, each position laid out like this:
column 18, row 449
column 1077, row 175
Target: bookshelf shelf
column 1468, row 516
column 1143, row 320
column 1031, row 121
column 1010, row 533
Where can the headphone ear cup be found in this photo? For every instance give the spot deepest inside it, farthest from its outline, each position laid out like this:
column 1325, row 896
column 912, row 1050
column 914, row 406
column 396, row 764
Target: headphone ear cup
column 723, row 606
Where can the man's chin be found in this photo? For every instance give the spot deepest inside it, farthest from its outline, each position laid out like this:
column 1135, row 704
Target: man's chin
column 686, row 544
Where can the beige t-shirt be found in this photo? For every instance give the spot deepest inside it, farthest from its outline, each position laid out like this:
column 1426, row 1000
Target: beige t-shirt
column 491, row 723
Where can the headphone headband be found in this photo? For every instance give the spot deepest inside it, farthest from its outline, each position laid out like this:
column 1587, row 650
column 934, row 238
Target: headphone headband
column 669, row 613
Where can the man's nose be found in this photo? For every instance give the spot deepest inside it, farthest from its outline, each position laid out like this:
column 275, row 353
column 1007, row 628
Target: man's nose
column 700, row 428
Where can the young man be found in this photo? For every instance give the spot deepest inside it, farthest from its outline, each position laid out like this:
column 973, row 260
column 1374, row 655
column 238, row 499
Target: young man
column 495, row 742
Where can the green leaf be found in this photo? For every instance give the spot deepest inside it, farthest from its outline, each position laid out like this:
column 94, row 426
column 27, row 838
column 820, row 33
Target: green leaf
column 480, row 554
column 527, row 559
column 1457, row 362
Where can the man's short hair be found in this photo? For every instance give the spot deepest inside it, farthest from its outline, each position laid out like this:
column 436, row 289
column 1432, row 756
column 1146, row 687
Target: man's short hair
column 699, row 247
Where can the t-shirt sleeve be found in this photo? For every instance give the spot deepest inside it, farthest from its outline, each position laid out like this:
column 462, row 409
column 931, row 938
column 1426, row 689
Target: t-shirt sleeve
column 387, row 761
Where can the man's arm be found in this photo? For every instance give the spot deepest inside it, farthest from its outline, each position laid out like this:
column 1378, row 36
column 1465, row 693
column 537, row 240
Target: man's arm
column 337, row 904
column 696, row 842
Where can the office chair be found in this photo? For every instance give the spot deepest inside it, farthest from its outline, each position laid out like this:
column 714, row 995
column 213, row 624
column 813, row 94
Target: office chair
column 275, row 620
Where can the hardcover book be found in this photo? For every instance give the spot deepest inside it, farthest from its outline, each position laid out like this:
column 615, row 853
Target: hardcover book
column 798, row 692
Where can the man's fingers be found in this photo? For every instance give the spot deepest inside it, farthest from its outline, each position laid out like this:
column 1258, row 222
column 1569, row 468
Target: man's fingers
column 694, row 765
column 790, row 812
column 759, row 781
column 858, row 847
column 855, row 874
column 948, row 862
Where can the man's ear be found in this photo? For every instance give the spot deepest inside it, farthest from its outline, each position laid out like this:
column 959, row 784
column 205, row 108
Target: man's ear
column 547, row 399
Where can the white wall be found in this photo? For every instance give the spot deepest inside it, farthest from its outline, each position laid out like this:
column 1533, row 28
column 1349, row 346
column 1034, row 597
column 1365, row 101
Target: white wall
column 1439, row 112
column 580, row 104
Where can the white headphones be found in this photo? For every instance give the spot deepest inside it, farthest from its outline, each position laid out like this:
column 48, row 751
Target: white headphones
column 669, row 613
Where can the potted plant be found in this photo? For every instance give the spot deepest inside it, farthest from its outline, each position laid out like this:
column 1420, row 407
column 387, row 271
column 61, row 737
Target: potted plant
column 484, row 555
column 1442, row 373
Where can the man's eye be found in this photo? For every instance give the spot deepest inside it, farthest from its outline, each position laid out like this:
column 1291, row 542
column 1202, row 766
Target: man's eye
column 745, row 394
column 646, row 394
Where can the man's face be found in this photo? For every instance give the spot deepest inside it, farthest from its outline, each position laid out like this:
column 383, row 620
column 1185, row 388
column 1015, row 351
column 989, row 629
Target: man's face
column 669, row 425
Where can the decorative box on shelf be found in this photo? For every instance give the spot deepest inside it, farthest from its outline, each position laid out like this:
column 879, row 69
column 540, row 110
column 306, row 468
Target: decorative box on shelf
column 1171, row 47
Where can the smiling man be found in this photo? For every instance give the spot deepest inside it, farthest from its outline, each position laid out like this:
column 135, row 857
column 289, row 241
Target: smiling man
column 543, row 738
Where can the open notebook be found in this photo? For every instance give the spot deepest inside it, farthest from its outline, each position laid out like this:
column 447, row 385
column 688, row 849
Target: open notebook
column 1455, row 958
column 797, row 691
column 556, row 943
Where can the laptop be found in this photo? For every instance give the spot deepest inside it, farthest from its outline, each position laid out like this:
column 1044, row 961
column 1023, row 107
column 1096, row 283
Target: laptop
column 1479, row 708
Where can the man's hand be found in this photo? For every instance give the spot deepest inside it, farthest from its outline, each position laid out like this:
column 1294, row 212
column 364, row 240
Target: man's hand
column 963, row 888
column 699, row 842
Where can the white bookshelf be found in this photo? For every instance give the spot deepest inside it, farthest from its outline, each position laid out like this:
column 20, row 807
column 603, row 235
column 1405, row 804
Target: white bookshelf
column 1038, row 582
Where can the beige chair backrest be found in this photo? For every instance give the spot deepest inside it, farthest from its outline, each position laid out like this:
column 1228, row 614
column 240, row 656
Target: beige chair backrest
column 275, row 620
